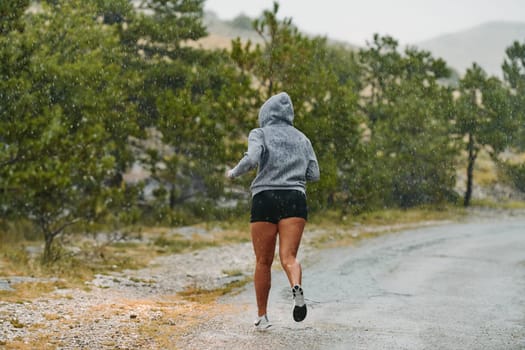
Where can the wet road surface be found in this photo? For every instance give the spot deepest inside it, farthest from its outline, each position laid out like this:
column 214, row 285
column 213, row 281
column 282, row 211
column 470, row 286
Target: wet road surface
column 456, row 286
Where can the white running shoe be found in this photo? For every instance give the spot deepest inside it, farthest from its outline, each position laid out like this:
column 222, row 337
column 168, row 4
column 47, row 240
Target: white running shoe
column 299, row 309
column 262, row 323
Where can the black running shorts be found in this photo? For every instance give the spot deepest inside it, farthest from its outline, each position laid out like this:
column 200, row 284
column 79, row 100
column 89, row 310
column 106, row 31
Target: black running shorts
column 274, row 205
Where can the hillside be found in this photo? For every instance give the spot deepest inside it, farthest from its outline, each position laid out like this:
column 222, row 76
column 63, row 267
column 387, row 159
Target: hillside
column 484, row 44
column 221, row 32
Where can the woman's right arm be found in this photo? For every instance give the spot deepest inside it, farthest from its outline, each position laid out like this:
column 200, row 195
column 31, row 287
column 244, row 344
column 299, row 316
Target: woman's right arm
column 252, row 156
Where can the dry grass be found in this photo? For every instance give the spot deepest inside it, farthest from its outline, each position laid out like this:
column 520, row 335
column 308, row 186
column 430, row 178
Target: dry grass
column 343, row 231
column 175, row 320
column 157, row 324
column 27, row 291
column 336, row 220
column 92, row 258
column 42, row 343
column 492, row 204
column 207, row 296
column 52, row 317
column 485, row 170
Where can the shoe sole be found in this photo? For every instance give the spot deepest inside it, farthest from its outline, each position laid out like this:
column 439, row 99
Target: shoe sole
column 299, row 313
column 263, row 329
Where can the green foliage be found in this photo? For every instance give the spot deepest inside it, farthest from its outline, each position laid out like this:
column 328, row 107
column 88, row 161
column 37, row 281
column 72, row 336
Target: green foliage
column 64, row 121
column 193, row 98
column 11, row 12
column 114, row 11
column 89, row 88
column 515, row 174
column 514, row 76
column 484, row 116
column 160, row 26
column 514, row 66
column 409, row 117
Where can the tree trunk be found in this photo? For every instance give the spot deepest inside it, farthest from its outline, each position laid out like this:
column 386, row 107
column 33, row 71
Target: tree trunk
column 472, row 154
column 48, row 247
column 270, row 88
column 172, row 198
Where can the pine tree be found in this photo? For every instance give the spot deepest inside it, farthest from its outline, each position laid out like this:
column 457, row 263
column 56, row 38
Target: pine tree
column 63, row 126
column 409, row 115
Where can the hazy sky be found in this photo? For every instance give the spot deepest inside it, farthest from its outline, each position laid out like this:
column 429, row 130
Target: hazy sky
column 356, row 21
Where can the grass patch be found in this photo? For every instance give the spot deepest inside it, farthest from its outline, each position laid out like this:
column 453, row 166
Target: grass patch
column 206, row 296
column 81, row 257
column 71, row 269
column 415, row 215
column 175, row 319
column 141, row 281
column 335, row 219
column 485, row 170
column 492, row 204
column 43, row 342
column 52, row 317
column 341, row 230
column 233, row 273
column 175, row 245
column 27, row 291
column 16, row 324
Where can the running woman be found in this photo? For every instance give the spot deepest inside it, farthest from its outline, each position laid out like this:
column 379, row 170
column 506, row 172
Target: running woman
column 285, row 162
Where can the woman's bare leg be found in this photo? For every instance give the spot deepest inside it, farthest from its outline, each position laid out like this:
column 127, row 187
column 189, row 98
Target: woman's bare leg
column 264, row 237
column 290, row 233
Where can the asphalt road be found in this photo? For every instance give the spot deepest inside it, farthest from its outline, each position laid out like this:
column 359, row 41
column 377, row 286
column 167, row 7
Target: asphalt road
column 456, row 286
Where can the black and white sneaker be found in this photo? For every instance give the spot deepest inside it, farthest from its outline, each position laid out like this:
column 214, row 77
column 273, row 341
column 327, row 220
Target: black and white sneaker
column 262, row 323
column 299, row 308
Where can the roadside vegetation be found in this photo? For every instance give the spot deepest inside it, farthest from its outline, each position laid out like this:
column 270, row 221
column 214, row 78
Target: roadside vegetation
column 79, row 257
column 115, row 129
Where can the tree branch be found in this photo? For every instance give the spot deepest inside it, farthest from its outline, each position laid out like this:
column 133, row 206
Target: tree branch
column 61, row 228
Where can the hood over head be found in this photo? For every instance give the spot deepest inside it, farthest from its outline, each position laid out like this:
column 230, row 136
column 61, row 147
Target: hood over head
column 278, row 109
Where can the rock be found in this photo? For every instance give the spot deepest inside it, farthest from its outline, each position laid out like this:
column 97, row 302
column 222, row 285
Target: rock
column 5, row 285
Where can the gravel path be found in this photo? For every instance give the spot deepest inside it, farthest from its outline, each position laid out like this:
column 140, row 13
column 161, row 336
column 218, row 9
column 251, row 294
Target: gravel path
column 117, row 311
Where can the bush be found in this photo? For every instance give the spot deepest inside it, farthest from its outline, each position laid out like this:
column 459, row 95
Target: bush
column 515, row 174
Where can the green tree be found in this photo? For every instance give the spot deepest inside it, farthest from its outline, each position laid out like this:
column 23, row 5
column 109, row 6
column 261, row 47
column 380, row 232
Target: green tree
column 409, row 117
column 194, row 99
column 201, row 123
column 64, row 120
column 514, row 76
column 483, row 118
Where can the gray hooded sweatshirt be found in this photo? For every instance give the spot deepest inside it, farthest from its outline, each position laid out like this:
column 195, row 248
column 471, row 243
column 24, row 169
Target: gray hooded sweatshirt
column 283, row 155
